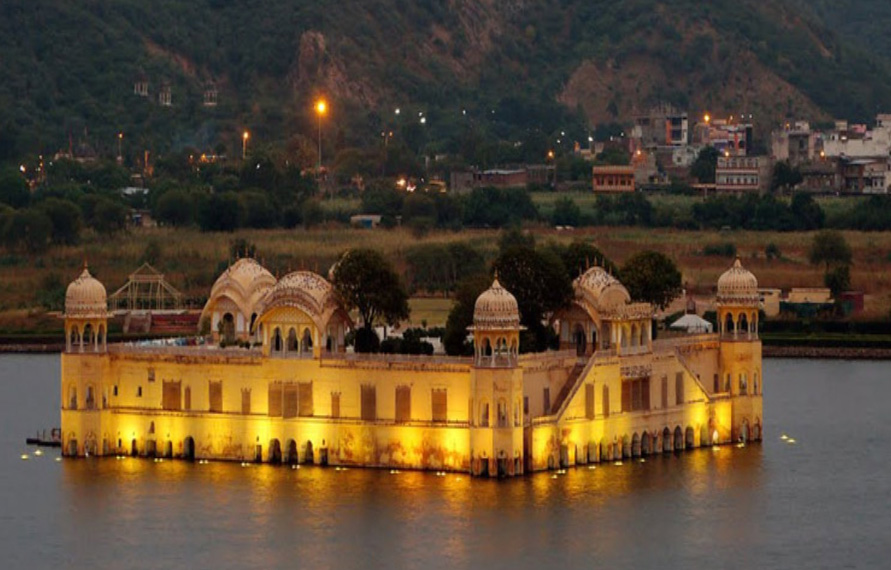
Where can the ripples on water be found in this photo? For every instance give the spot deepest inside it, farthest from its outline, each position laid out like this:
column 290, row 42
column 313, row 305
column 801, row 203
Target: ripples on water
column 821, row 502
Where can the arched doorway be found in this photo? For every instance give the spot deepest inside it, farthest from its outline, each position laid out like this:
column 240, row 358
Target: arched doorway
column 690, row 437
column 134, row 450
column 635, row 446
column 678, row 438
column 227, row 328
column 168, row 449
column 72, row 447
column 744, row 431
column 189, row 449
column 666, row 440
column 292, row 341
column 645, row 444
column 292, row 452
column 277, row 343
column 756, row 431
column 275, row 451
column 579, row 340
column 308, row 454
column 306, row 342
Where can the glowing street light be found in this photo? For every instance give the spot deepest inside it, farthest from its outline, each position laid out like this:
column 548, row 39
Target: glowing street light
column 321, row 109
column 244, row 139
column 707, row 118
column 120, row 142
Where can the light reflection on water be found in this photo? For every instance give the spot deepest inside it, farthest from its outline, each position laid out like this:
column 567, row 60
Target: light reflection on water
column 773, row 505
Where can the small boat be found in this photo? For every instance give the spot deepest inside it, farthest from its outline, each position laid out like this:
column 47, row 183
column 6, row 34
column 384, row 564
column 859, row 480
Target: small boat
column 54, row 439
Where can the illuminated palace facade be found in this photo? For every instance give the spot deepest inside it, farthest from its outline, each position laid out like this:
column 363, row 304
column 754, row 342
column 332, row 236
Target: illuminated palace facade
column 284, row 388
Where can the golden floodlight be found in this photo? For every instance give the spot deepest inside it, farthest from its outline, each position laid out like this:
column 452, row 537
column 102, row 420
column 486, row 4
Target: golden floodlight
column 321, row 107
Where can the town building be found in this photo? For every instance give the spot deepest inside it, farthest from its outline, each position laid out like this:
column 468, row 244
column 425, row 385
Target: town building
column 211, row 94
column 165, row 95
column 741, row 174
column 272, row 381
column 732, row 138
column 661, row 125
column 796, row 143
column 865, row 175
column 611, row 178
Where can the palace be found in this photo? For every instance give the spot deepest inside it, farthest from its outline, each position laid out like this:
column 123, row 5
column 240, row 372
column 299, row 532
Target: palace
column 274, row 382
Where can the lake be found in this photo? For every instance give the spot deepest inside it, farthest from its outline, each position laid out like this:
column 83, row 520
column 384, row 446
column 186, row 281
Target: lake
column 822, row 502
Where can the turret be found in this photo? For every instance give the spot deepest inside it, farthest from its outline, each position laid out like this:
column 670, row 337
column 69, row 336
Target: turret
column 740, row 353
column 496, row 328
column 496, row 446
column 86, row 315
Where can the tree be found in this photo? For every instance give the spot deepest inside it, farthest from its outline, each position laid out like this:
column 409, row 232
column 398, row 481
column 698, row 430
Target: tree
column 807, row 212
column 703, row 168
column 838, row 279
column 65, row 218
column 366, row 281
column 566, row 213
column 109, row 216
column 541, row 285
column 29, row 229
column 830, row 249
column 651, row 277
column 578, row 256
column 175, row 208
column 219, row 213
column 13, row 189
column 454, row 339
column 785, row 177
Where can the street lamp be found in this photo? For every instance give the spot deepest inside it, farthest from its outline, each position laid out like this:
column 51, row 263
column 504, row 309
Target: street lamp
column 321, row 108
column 120, row 142
column 244, row 138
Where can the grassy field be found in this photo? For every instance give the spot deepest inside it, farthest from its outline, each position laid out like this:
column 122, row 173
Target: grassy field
column 192, row 260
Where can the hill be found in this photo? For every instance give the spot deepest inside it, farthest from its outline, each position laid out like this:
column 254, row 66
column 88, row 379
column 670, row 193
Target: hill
column 511, row 70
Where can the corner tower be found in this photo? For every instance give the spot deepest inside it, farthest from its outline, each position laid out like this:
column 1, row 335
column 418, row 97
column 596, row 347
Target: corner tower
column 496, row 386
column 84, row 391
column 740, row 353
column 86, row 315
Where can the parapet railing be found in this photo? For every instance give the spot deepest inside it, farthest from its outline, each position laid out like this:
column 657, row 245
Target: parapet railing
column 175, row 350
column 687, row 340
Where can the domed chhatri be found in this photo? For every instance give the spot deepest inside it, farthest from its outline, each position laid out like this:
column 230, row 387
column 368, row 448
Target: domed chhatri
column 86, row 298
column 496, row 309
column 86, row 314
column 738, row 286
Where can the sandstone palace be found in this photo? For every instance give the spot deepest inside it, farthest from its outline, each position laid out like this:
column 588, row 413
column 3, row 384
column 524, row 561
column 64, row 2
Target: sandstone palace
column 297, row 395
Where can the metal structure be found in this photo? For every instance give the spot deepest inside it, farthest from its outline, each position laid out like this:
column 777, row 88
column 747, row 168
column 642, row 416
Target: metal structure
column 146, row 290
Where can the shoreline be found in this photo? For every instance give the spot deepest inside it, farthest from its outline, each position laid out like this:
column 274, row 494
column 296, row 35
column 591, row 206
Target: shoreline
column 767, row 351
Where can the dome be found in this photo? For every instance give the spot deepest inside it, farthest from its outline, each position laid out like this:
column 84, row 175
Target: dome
column 245, row 275
column 305, row 290
column 496, row 308
column 86, row 298
column 601, row 289
column 738, row 286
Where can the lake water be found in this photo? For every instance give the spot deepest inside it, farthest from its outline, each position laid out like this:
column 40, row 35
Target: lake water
column 823, row 502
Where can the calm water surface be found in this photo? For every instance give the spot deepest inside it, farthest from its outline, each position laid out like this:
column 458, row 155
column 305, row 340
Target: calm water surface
column 824, row 502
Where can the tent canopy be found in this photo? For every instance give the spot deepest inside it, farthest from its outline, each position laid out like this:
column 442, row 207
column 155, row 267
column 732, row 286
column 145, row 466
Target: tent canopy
column 692, row 324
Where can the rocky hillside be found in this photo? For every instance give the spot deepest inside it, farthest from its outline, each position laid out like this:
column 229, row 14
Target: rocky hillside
column 494, row 68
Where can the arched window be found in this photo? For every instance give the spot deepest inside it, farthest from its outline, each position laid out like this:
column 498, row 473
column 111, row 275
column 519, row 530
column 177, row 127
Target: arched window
column 484, row 414
column 727, row 382
column 72, row 397
column 502, row 413
column 293, row 345
column 728, row 324
column 90, row 401
column 755, row 384
column 73, row 339
column 88, row 335
column 277, row 343
column 743, row 384
column 306, row 342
